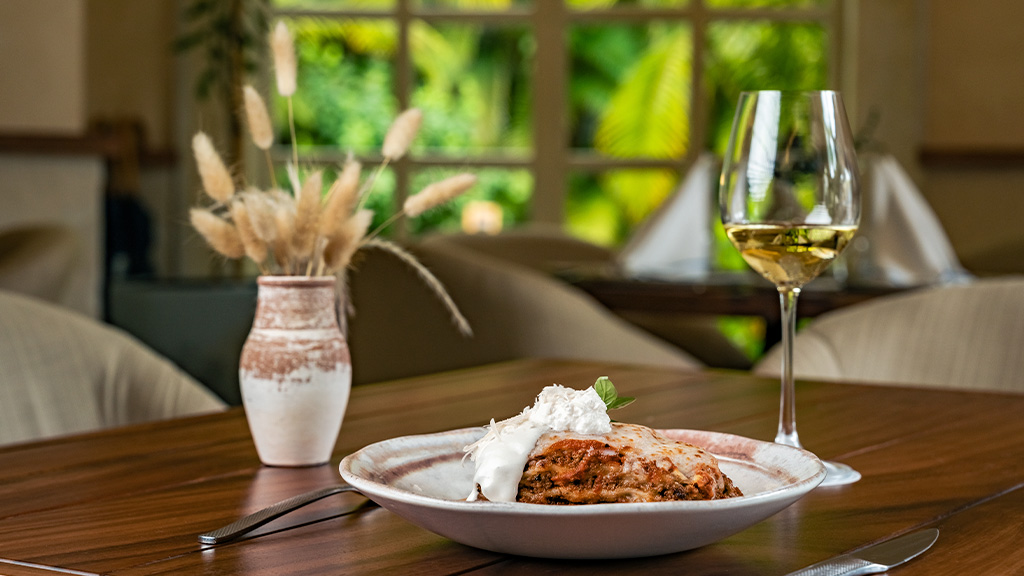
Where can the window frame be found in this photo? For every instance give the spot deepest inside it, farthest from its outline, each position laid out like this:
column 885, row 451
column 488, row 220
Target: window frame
column 552, row 159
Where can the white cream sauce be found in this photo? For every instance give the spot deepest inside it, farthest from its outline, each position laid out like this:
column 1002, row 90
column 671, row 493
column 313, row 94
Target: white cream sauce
column 501, row 454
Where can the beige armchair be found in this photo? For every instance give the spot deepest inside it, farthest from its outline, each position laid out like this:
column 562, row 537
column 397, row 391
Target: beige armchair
column 548, row 249
column 63, row 372
column 967, row 336
column 400, row 329
column 39, row 261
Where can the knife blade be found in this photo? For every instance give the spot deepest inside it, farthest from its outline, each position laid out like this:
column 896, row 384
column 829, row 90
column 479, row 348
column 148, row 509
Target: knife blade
column 876, row 558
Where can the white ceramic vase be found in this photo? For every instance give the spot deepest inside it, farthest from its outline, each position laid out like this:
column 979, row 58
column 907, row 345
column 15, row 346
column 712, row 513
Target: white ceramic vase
column 295, row 371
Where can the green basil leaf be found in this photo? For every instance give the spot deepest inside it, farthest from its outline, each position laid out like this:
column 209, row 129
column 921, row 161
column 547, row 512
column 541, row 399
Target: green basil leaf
column 606, row 390
column 621, row 402
column 609, row 395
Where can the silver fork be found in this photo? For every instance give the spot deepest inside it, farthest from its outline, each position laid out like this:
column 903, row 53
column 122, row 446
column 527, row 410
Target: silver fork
column 249, row 523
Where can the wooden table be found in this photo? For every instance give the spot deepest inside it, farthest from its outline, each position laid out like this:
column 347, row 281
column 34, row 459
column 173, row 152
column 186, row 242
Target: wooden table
column 131, row 501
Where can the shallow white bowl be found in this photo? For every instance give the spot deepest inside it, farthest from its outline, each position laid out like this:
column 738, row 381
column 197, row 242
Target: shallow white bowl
column 425, row 480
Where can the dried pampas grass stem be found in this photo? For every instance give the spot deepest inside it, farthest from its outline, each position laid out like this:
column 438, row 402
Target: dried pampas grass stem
column 341, row 199
column 438, row 193
column 284, row 222
column 396, row 143
column 254, row 246
column 299, row 230
column 260, row 208
column 307, row 216
column 285, row 69
column 401, row 134
column 259, row 126
column 340, row 247
column 259, row 120
column 221, row 235
column 428, row 278
column 216, row 178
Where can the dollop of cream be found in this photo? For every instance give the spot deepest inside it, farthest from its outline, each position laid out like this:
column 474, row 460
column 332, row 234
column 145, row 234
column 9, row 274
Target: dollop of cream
column 501, row 455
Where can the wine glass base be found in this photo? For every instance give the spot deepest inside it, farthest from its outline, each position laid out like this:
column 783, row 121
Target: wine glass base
column 838, row 474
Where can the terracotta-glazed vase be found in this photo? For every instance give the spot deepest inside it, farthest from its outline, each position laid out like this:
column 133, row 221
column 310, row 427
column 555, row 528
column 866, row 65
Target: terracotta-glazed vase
column 295, row 371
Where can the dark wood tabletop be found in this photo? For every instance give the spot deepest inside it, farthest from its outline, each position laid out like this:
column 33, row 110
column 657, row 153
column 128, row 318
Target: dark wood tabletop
column 133, row 500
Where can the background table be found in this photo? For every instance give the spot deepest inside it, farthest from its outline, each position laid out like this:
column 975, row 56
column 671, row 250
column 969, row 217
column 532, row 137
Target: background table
column 720, row 294
column 131, row 501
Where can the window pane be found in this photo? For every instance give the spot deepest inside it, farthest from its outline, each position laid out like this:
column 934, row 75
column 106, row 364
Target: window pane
column 474, row 5
column 767, row 3
column 759, row 56
column 344, row 98
column 630, row 89
column 336, row 4
column 602, row 4
column 605, row 207
column 474, row 86
column 500, row 195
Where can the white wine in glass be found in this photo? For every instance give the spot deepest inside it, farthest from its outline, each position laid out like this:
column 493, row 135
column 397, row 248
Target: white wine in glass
column 790, row 203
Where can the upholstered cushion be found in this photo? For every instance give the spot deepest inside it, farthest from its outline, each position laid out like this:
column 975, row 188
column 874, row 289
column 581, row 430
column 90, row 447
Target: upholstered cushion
column 540, row 247
column 40, row 261
column 547, row 249
column 965, row 336
column 400, row 329
column 63, row 372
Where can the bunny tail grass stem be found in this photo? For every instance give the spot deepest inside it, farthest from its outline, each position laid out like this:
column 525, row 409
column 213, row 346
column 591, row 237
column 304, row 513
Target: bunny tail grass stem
column 428, row 278
column 220, row 234
column 307, row 217
column 215, row 176
column 291, row 127
column 270, row 168
column 385, row 224
column 341, row 200
column 255, row 247
column 438, row 193
column 401, row 133
column 364, row 194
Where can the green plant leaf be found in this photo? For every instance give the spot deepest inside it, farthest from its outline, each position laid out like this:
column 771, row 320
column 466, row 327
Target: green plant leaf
column 609, row 395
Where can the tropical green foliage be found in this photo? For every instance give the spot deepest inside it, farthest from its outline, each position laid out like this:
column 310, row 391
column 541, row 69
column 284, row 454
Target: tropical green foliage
column 630, row 94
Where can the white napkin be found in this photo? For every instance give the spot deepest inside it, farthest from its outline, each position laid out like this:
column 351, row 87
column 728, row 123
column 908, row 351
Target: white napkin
column 900, row 241
column 675, row 241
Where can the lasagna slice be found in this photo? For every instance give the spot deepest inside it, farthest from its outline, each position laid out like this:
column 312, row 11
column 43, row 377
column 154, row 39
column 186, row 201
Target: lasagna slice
column 630, row 464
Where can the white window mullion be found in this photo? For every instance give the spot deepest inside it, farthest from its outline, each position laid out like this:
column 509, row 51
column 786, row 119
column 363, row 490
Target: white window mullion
column 403, row 95
column 698, row 93
column 550, row 141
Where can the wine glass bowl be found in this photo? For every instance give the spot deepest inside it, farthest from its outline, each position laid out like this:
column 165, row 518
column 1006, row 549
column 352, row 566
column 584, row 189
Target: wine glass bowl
column 789, row 200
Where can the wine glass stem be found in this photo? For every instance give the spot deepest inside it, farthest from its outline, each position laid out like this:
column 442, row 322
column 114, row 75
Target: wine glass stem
column 787, row 405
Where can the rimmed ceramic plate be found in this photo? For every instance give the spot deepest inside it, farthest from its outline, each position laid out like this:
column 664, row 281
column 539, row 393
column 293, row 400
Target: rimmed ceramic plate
column 424, row 480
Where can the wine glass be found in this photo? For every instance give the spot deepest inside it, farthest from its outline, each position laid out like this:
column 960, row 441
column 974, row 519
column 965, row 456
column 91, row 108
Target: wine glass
column 790, row 203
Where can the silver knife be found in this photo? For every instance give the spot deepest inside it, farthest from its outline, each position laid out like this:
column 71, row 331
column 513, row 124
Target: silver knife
column 874, row 559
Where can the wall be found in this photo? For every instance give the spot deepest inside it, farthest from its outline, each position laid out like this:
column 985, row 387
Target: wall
column 886, row 73
column 975, row 105
column 44, row 77
column 975, row 79
column 130, row 64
